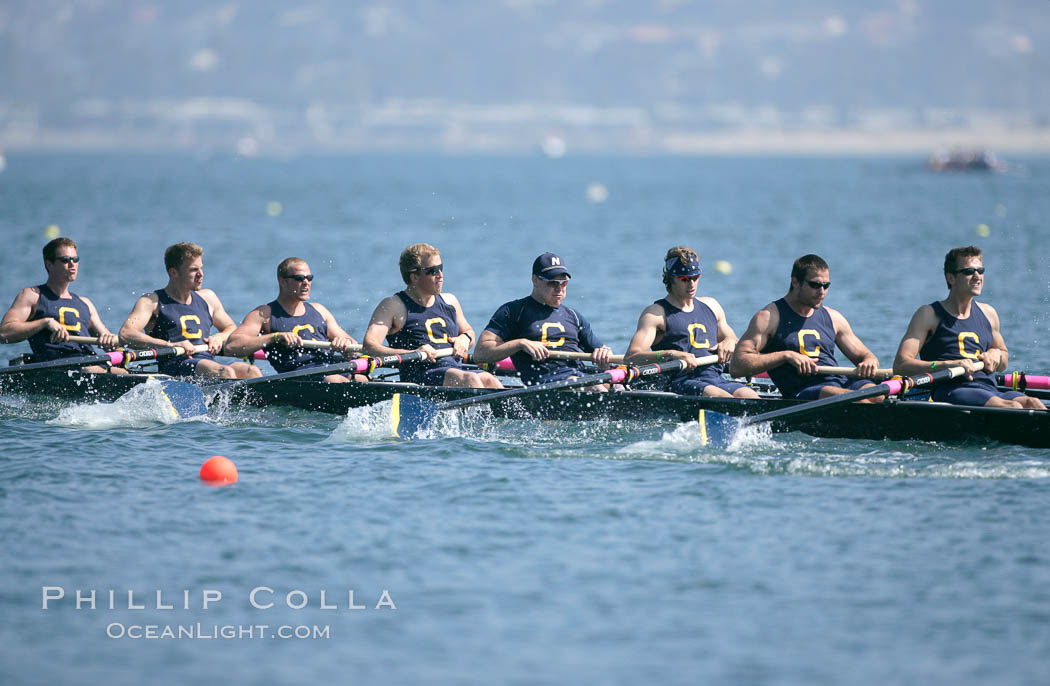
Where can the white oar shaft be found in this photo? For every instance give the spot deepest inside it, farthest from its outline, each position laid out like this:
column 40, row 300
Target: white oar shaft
column 566, row 355
column 881, row 373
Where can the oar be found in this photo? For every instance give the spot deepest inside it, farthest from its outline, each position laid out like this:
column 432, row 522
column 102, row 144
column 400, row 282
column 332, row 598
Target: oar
column 1019, row 381
column 566, row 355
column 410, row 414
column 189, row 400
column 880, row 373
column 718, row 429
column 117, row 358
column 258, row 354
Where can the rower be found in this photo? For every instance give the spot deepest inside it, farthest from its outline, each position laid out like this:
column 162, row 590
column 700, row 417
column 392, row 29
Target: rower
column 958, row 332
column 281, row 326
column 790, row 337
column 527, row 329
column 421, row 317
column 46, row 315
column 182, row 314
column 681, row 326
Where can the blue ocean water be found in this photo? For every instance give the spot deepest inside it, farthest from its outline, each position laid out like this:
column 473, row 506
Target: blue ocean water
column 515, row 551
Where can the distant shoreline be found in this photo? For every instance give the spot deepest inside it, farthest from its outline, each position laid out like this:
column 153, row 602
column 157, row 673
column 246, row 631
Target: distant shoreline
column 630, row 141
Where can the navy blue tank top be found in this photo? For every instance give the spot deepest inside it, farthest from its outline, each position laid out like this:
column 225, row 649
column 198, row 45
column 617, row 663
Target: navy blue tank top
column 813, row 336
column 561, row 327
column 693, row 332
column 309, row 326
column 436, row 325
column 72, row 313
column 179, row 322
column 955, row 338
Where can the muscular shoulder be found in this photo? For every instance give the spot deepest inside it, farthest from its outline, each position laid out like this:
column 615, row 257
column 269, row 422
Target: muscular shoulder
column 30, row 295
column 713, row 304
column 208, row 294
column 767, row 319
column 389, row 308
column 451, row 300
column 989, row 312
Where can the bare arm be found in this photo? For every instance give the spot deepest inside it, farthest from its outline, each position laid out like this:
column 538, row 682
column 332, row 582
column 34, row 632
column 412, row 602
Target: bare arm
column 16, row 326
column 388, row 318
column 461, row 343
column 132, row 332
column 748, row 358
column 106, row 338
column 650, row 324
column 340, row 339
column 996, row 357
column 922, row 325
column 219, row 319
column 727, row 338
column 252, row 334
column 852, row 347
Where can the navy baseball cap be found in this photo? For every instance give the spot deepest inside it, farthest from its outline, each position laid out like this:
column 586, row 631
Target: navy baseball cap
column 548, row 265
column 689, row 267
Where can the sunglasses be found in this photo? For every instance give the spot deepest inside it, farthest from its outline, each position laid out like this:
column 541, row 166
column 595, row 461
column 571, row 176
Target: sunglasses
column 300, row 277
column 819, row 284
column 555, row 284
column 66, row 259
column 689, row 279
column 969, row 271
column 431, row 271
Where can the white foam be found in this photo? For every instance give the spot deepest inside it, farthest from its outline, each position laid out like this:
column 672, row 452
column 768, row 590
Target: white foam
column 144, row 405
column 372, row 423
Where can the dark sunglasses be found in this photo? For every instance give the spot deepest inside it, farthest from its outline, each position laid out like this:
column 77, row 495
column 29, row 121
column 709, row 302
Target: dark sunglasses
column 689, row 279
column 819, row 284
column 66, row 259
column 556, row 284
column 968, row 271
column 300, row 277
column 431, row 271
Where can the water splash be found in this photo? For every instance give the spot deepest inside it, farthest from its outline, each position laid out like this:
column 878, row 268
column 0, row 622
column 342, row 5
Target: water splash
column 143, row 406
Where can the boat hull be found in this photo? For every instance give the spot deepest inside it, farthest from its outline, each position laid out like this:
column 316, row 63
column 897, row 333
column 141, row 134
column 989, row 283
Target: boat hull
column 893, row 420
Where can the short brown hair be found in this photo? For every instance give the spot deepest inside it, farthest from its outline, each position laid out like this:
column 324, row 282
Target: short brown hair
column 286, row 264
column 957, row 255
column 51, row 249
column 800, row 268
column 412, row 258
column 684, row 255
column 176, row 255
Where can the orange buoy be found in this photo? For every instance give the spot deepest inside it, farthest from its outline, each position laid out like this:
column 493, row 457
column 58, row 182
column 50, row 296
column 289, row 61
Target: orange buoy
column 219, row 470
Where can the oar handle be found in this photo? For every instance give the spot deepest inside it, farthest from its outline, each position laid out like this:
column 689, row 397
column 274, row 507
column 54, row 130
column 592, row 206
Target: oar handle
column 90, row 340
column 567, row 355
column 880, row 373
column 324, row 345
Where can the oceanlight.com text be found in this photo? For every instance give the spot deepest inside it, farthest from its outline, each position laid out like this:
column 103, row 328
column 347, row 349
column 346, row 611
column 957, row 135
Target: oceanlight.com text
column 199, row 631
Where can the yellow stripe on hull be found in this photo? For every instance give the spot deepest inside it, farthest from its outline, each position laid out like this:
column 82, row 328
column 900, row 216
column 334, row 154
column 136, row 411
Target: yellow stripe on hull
column 395, row 413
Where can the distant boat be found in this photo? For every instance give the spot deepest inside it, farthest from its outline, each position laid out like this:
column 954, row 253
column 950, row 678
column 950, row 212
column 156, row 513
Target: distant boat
column 965, row 160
